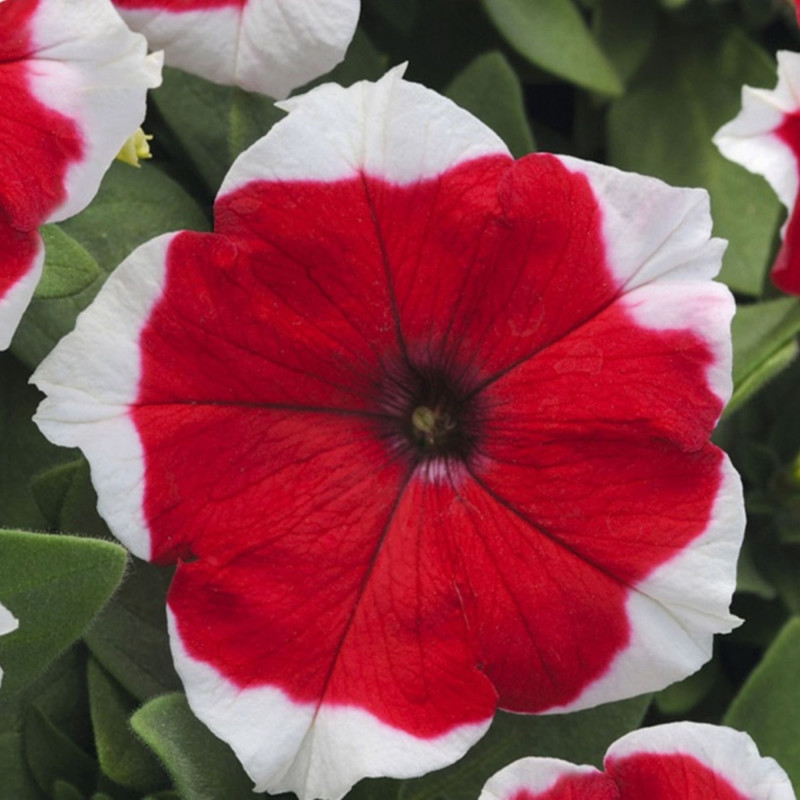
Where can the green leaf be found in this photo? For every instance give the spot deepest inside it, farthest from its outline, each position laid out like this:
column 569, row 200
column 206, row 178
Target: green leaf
column 625, row 30
column 768, row 705
column 664, row 124
column 132, row 206
column 66, row 791
column 129, row 637
column 68, row 268
column 211, row 141
column 363, row 62
column 24, row 451
column 202, row 767
column 54, row 586
column 581, row 737
column 67, row 499
column 250, row 118
column 749, row 577
column 60, row 693
column 168, row 795
column 764, row 343
column 185, row 103
column 52, row 756
column 683, row 696
column 122, row 757
column 552, row 35
column 490, row 89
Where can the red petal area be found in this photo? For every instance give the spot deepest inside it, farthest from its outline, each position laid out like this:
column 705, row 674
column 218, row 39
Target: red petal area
column 659, row 776
column 380, row 626
column 574, row 787
column 622, row 507
column 786, row 270
column 37, row 143
column 177, row 6
column 531, row 604
column 469, row 257
column 254, row 326
column 19, row 250
column 494, row 260
column 609, row 377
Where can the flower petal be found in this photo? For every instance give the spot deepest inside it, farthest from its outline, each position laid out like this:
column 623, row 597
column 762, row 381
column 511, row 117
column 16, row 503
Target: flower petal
column 391, row 661
column 267, row 46
column 86, row 66
column 765, row 139
column 345, row 599
column 23, row 258
column 548, row 779
column 665, row 762
column 394, row 130
column 653, row 530
column 690, row 759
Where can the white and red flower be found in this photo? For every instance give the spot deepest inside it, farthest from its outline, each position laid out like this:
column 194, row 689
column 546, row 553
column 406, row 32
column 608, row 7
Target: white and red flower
column 267, row 46
column 426, row 430
column 73, row 81
column 8, row 623
column 765, row 139
column 681, row 760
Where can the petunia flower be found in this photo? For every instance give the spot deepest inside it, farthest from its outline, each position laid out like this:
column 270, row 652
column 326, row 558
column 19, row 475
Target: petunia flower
column 8, row 623
column 73, row 86
column 665, row 762
column 266, row 46
column 426, row 430
column 765, row 139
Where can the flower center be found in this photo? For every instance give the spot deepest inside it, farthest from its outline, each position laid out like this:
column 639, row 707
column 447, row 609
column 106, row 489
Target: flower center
column 432, row 427
column 434, row 417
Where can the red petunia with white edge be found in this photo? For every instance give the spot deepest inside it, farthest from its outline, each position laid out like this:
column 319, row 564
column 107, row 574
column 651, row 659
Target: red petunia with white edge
column 266, row 46
column 426, row 430
column 765, row 139
column 73, row 80
column 8, row 623
column 680, row 760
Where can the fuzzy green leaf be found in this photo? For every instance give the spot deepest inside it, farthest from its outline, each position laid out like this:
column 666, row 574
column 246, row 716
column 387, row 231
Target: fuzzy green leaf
column 122, row 757
column 202, row 767
column 54, row 586
column 67, row 499
column 53, row 757
column 129, row 637
column 68, row 267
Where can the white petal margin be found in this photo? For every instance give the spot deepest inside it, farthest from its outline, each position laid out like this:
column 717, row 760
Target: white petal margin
column 390, row 129
column 17, row 297
column 704, row 308
column 266, row 46
column 87, row 65
column 652, row 231
column 677, row 609
column 750, row 140
column 91, row 378
column 8, row 623
column 534, row 775
column 730, row 753
column 317, row 752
